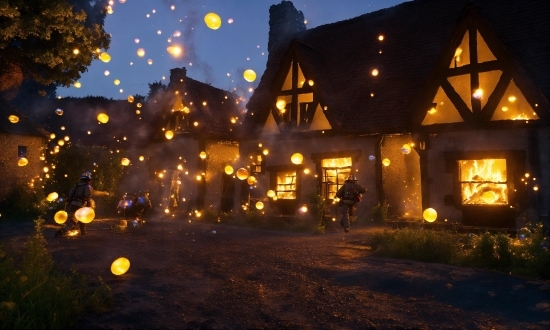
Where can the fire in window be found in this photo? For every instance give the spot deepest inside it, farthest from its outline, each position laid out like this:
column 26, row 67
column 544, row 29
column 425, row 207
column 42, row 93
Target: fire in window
column 335, row 172
column 286, row 185
column 483, row 182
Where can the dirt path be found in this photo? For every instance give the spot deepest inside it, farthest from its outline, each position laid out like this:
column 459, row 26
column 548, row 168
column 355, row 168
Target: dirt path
column 183, row 275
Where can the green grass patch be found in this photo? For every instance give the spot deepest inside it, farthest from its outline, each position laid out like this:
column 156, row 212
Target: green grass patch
column 37, row 294
column 526, row 254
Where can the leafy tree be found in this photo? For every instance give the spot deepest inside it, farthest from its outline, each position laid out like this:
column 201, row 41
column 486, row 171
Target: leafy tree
column 49, row 41
column 154, row 88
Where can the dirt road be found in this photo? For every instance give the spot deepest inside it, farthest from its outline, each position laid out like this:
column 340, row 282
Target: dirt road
column 194, row 275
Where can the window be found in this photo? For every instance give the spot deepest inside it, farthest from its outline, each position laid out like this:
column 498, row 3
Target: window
column 286, row 185
column 179, row 121
column 21, row 152
column 335, row 171
column 483, row 182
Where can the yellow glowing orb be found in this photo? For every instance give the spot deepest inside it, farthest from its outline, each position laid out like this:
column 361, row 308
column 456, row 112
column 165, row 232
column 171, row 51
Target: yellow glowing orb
column 120, row 266
column 61, row 142
column 297, row 158
column 265, row 152
column 303, row 209
column 213, row 21
column 406, row 149
column 141, row 158
column 52, row 136
column 116, row 82
column 374, row 72
column 386, row 162
column 149, row 61
column 130, row 98
column 249, row 75
column 489, row 197
column 270, row 193
column 85, row 214
column 228, row 169
column 103, row 118
column 77, row 84
column 169, row 134
column 429, row 215
column 52, row 196
column 60, row 217
column 104, row 57
column 251, row 180
column 199, row 177
column 174, row 50
column 22, row 161
column 202, row 155
column 242, row 173
column 141, row 52
column 125, row 161
column 13, row 119
column 281, row 104
column 259, row 205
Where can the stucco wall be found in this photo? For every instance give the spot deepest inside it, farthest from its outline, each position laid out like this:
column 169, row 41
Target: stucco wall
column 12, row 174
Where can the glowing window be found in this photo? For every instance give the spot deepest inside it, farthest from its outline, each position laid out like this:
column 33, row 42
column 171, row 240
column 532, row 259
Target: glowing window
column 335, row 172
column 286, row 185
column 483, row 182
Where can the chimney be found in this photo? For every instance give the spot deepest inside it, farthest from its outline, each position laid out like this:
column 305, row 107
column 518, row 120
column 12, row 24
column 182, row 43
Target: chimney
column 177, row 75
column 284, row 22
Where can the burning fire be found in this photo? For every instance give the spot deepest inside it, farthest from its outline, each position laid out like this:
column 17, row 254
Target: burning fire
column 483, row 182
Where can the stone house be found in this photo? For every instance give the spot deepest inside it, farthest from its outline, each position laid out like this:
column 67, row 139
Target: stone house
column 437, row 104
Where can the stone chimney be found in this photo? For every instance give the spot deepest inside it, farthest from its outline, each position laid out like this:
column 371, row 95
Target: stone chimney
column 177, row 75
column 284, row 21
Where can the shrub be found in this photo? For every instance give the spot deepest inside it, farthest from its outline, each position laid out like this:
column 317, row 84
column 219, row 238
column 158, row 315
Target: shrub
column 40, row 295
column 24, row 202
column 380, row 212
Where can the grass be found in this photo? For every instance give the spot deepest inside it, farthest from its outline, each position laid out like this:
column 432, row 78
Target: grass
column 37, row 294
column 528, row 254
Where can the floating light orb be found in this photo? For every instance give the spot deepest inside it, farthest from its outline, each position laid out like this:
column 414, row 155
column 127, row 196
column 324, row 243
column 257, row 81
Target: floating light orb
column 130, row 98
column 150, row 61
column 303, row 209
column 386, row 162
column 116, row 82
column 202, row 155
column 169, row 134
column 141, row 52
column 76, row 51
column 52, row 196
column 504, row 109
column 512, row 99
column 52, row 136
column 380, row 37
column 374, row 72
column 103, row 118
column 125, row 161
column 489, row 197
column 297, row 158
column 105, row 58
column 228, row 169
column 251, row 180
column 281, row 104
column 136, row 40
column 120, row 266
column 429, row 214
column 85, row 214
column 22, row 161
column 230, row 21
column 106, row 72
column 141, row 158
column 478, row 93
column 270, row 193
column 59, row 112
column 61, row 142
column 213, row 21
column 139, row 105
column 406, row 149
column 259, row 205
column 249, row 75
column 60, row 217
column 242, row 173
column 77, row 84
column 13, row 119
column 174, row 50
column 199, row 177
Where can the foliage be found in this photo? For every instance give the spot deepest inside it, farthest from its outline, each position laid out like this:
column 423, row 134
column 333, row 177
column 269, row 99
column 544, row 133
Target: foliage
column 24, row 202
column 154, row 88
column 210, row 216
column 380, row 212
column 37, row 38
column 529, row 256
column 316, row 205
column 39, row 295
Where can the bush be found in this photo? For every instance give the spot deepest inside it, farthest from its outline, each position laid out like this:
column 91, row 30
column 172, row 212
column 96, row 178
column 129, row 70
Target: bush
column 380, row 212
column 24, row 202
column 40, row 295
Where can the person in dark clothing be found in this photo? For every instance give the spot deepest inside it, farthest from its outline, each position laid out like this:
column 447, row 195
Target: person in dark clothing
column 141, row 204
column 349, row 194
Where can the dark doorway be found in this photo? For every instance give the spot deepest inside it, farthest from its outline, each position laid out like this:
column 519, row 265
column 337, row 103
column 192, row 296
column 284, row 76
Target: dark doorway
column 228, row 192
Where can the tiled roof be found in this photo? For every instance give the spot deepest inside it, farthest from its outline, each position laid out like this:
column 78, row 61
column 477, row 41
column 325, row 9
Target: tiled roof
column 342, row 55
column 24, row 126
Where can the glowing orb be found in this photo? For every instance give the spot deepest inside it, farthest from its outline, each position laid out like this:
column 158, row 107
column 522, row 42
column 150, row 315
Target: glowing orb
column 202, row 155
column 76, row 51
column 281, row 104
column 52, row 196
column 228, row 169
column 61, row 142
column 120, row 266
column 85, row 214
column 60, row 217
column 270, row 193
column 251, row 180
column 22, row 161
column 141, row 52
column 52, row 136
column 102, row 118
column 106, row 72
column 429, row 215
column 199, row 177
column 77, row 84
column 174, row 50
column 249, row 75
column 374, row 72
column 478, row 93
column 303, row 209
column 406, row 149
column 242, row 173
column 139, row 105
column 59, row 111
column 169, row 134
column 125, row 161
column 265, row 152
column 149, row 61
column 489, row 197
column 130, row 98
column 259, row 205
column 386, row 162
column 116, row 82
column 297, row 158
column 141, row 158
column 104, row 57
column 13, row 119
column 213, row 21
column 230, row 21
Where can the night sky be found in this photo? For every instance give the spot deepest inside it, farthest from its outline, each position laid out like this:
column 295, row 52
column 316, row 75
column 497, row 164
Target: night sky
column 218, row 57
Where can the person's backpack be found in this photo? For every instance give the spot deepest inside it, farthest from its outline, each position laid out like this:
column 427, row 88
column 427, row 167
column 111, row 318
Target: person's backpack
column 350, row 194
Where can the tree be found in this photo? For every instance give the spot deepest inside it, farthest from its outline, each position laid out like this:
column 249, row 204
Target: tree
column 154, row 88
column 49, row 41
